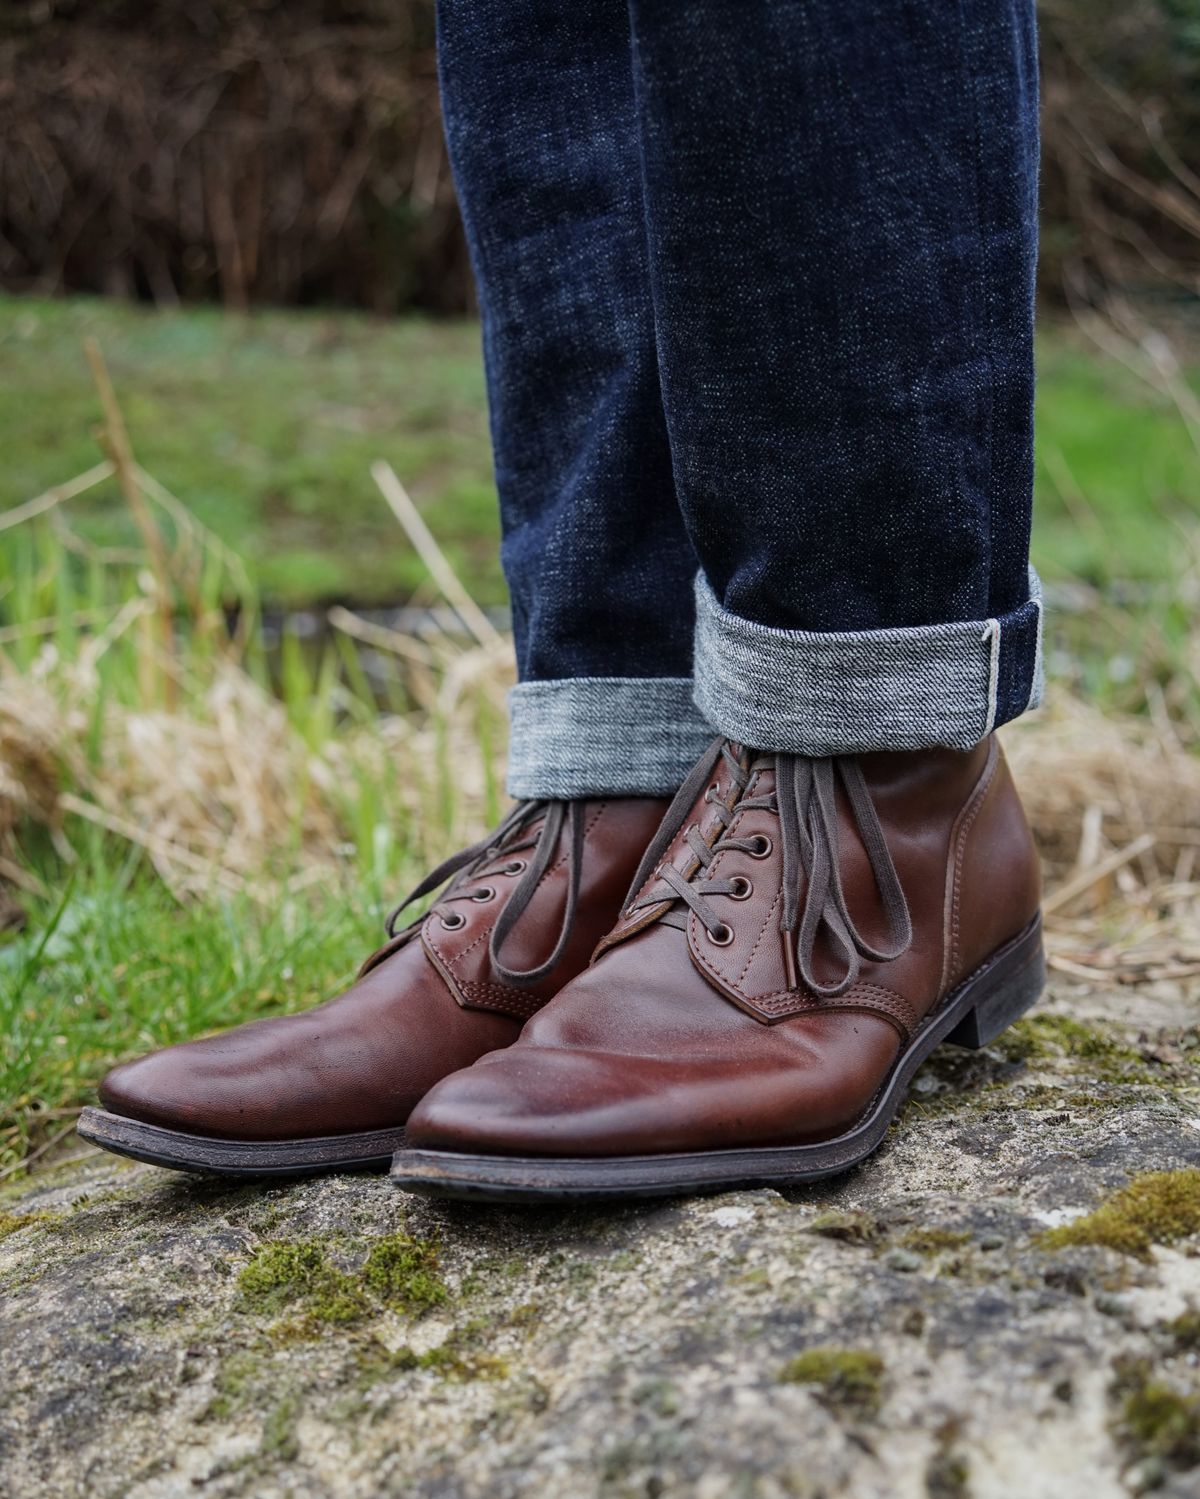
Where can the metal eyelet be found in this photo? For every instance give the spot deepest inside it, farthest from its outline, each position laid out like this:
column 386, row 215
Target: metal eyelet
column 454, row 920
column 713, row 791
column 743, row 888
column 514, row 866
column 484, row 893
column 720, row 936
column 762, row 847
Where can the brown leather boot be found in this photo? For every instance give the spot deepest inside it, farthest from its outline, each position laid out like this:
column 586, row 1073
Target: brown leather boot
column 333, row 1086
column 800, row 937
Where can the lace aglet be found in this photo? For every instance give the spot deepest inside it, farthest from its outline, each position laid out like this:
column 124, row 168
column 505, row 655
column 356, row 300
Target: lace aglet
column 789, row 959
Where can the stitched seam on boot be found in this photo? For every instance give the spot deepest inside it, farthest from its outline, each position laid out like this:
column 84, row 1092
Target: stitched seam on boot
column 982, row 792
column 965, row 816
column 758, row 941
column 886, row 1001
column 497, row 997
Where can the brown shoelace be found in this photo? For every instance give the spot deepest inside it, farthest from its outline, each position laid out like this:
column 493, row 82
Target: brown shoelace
column 804, row 800
column 493, row 856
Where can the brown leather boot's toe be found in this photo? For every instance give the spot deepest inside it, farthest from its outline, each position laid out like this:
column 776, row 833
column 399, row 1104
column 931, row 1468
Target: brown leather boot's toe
column 801, row 935
column 332, row 1087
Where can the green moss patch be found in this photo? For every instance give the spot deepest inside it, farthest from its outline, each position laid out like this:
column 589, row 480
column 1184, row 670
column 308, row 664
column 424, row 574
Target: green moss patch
column 285, row 1274
column 403, row 1273
column 1047, row 1037
column 237, row 1379
column 458, row 1363
column 931, row 1240
column 12, row 1223
column 297, row 1275
column 1153, row 1419
column 846, row 1378
column 460, row 1359
column 1158, row 1207
column 279, row 1443
column 1184, row 1331
column 947, row 1476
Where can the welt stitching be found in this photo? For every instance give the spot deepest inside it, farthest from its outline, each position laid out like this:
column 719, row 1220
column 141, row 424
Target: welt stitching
column 887, row 999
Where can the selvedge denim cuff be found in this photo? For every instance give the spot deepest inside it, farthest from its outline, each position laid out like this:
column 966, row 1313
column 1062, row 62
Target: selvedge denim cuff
column 855, row 691
column 603, row 736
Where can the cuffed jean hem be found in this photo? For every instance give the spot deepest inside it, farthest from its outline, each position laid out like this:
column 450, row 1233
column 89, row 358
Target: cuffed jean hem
column 603, row 736
column 862, row 690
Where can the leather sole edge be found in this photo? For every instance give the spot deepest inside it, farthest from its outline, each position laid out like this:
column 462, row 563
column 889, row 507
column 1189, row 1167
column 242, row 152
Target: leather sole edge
column 212, row 1156
column 984, row 1005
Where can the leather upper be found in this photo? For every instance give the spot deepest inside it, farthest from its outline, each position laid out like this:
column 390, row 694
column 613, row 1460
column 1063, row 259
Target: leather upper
column 671, row 1041
column 426, row 1004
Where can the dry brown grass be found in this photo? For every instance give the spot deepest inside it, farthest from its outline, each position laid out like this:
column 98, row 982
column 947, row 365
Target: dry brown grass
column 225, row 790
column 226, row 787
column 1115, row 805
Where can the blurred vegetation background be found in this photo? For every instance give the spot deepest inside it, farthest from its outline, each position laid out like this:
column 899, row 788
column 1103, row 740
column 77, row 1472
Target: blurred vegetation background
column 290, row 152
column 223, row 748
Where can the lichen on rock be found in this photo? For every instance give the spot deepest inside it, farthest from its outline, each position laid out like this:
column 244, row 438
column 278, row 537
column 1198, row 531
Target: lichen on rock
column 948, row 1320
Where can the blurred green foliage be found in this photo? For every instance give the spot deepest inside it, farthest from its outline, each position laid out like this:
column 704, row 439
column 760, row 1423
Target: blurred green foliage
column 266, row 426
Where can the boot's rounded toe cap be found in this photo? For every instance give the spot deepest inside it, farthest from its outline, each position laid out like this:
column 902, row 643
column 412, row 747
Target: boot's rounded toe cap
column 538, row 1102
column 155, row 1089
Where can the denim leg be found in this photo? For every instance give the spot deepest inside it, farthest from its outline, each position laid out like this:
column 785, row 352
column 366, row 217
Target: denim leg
column 841, row 202
column 539, row 114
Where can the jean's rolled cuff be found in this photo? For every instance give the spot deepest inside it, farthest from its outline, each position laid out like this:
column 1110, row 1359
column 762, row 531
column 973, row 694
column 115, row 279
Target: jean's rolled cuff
column 603, row 736
column 861, row 690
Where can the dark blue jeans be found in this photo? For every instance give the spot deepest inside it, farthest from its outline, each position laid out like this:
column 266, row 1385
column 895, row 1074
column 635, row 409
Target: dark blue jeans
column 756, row 281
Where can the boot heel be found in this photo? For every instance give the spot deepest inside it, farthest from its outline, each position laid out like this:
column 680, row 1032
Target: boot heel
column 995, row 1011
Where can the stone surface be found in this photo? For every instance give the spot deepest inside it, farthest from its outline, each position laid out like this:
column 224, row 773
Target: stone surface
column 904, row 1330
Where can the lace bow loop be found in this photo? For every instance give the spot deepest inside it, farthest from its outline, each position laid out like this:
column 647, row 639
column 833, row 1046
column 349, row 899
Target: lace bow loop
column 512, row 836
column 814, row 899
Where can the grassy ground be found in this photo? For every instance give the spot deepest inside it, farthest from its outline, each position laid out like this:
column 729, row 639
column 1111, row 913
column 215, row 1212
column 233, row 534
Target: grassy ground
column 111, row 964
column 267, row 426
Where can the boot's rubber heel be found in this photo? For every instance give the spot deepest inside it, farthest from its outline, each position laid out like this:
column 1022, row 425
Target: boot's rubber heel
column 995, row 1011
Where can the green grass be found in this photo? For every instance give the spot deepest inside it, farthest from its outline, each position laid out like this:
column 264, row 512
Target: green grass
column 111, row 965
column 1117, row 477
column 266, row 426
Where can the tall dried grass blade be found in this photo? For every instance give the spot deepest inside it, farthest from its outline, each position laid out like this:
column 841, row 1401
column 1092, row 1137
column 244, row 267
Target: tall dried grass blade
column 472, row 616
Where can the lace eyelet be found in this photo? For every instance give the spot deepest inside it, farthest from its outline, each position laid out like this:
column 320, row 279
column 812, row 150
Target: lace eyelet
column 744, row 888
column 762, row 847
column 514, row 866
column 720, row 936
column 484, row 894
column 714, row 791
column 454, row 921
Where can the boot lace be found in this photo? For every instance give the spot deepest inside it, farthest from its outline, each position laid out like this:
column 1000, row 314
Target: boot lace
column 804, row 801
column 514, row 835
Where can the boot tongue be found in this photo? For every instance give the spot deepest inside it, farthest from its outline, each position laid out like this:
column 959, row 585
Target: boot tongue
column 725, row 775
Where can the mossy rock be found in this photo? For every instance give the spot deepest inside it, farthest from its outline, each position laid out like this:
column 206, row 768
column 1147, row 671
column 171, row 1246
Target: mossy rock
column 848, row 1379
column 1157, row 1207
column 283, row 1274
column 403, row 1273
column 1154, row 1420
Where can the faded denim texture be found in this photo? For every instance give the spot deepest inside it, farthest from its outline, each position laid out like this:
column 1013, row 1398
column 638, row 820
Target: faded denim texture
column 756, row 282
